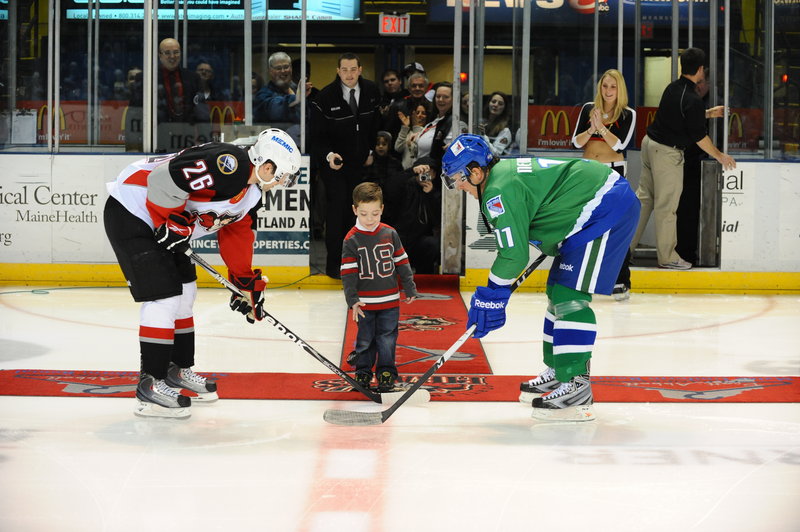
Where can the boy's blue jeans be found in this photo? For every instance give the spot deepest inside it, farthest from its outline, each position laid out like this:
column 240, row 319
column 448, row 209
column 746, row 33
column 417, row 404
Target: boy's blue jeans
column 377, row 334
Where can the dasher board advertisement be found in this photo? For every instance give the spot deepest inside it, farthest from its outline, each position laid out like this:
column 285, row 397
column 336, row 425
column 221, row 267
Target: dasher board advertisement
column 53, row 213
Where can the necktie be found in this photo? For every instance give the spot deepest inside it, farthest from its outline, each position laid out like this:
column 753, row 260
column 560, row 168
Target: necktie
column 353, row 104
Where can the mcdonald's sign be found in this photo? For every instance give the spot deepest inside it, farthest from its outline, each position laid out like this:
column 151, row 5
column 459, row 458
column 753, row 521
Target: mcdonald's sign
column 41, row 113
column 649, row 118
column 225, row 114
column 555, row 119
column 738, row 120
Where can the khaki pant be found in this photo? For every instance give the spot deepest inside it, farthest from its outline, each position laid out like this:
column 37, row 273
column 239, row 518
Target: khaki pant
column 660, row 187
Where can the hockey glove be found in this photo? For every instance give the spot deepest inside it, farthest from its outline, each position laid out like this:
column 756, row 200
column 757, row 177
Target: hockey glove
column 175, row 233
column 487, row 309
column 252, row 304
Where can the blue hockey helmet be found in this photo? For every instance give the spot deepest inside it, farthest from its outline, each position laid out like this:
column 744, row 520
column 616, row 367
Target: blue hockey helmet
column 465, row 149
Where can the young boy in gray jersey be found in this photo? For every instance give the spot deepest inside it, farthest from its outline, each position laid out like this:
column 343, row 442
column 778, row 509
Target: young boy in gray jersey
column 373, row 259
column 580, row 212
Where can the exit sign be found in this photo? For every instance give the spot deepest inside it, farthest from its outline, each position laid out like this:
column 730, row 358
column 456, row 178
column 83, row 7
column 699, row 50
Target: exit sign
column 398, row 25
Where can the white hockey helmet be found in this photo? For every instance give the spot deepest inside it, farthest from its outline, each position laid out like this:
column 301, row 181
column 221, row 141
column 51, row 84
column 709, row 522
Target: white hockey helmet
column 277, row 146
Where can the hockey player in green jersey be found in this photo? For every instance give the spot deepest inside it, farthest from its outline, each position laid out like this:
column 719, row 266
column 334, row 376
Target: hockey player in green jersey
column 580, row 212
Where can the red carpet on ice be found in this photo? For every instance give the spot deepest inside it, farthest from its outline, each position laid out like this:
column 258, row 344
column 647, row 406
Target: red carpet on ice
column 443, row 387
column 428, row 327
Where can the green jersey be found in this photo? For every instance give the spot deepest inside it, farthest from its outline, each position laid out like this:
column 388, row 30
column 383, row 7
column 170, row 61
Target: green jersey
column 541, row 201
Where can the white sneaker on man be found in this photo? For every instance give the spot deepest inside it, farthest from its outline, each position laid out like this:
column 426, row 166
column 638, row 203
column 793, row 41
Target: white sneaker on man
column 679, row 264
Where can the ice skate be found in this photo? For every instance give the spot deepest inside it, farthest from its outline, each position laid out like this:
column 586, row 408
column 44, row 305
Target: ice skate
column 154, row 398
column 571, row 401
column 537, row 386
column 621, row 292
column 187, row 379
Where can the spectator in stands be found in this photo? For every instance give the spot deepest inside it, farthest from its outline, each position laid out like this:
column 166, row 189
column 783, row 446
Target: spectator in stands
column 406, row 143
column 208, row 85
column 416, row 84
column 413, row 201
column 496, row 126
column 437, row 135
column 179, row 104
column 344, row 126
column 392, row 91
column 277, row 102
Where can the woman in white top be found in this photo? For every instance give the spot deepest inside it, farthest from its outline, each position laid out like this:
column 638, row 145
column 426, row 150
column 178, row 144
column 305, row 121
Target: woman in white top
column 495, row 129
column 437, row 134
column 406, row 143
column 604, row 130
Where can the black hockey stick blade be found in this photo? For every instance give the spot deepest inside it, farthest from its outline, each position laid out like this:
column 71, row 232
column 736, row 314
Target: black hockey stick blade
column 351, row 418
column 269, row 318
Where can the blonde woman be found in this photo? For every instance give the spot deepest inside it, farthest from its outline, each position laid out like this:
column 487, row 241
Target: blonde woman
column 604, row 131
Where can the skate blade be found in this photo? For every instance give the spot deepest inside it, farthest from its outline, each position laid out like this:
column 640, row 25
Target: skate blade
column 417, row 398
column 573, row 413
column 146, row 409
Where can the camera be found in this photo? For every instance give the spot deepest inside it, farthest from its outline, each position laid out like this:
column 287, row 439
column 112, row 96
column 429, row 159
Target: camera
column 425, row 176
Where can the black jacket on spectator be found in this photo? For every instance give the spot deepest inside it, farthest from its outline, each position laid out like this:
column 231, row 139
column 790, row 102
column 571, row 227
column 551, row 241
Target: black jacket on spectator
column 335, row 129
column 415, row 215
column 186, row 104
column 382, row 169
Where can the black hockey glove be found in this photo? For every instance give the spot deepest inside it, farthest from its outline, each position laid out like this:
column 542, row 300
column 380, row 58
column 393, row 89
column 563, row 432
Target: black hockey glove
column 175, row 233
column 252, row 305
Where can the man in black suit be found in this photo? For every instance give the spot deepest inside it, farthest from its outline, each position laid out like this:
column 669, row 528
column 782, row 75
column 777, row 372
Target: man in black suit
column 344, row 125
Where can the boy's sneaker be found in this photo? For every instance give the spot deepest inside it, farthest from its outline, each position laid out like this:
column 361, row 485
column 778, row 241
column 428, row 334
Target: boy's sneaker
column 679, row 264
column 621, row 292
column 364, row 379
column 572, row 401
column 386, row 382
column 154, row 398
column 352, row 358
column 187, row 379
column 545, row 382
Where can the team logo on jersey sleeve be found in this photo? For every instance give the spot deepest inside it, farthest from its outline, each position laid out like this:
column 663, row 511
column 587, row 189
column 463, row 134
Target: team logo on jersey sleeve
column 495, row 207
column 227, row 163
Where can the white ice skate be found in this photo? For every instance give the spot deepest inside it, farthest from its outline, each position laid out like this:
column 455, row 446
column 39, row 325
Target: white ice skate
column 572, row 401
column 154, row 398
column 187, row 379
column 538, row 386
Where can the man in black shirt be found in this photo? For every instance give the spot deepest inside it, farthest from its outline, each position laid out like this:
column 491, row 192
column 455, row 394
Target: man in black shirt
column 679, row 122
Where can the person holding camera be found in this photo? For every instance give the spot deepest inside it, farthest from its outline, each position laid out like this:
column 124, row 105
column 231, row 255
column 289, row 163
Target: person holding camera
column 414, row 205
column 383, row 164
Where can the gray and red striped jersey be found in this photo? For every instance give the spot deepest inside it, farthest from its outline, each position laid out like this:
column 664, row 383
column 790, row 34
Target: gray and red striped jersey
column 372, row 262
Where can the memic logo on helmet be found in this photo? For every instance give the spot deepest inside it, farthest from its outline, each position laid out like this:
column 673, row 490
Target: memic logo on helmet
column 282, row 143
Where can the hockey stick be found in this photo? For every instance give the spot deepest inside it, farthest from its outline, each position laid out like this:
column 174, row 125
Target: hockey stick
column 384, row 398
column 351, row 418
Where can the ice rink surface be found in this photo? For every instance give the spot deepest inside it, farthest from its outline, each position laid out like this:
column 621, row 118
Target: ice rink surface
column 89, row 464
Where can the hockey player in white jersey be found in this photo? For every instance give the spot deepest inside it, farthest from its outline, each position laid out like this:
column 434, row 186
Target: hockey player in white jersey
column 156, row 205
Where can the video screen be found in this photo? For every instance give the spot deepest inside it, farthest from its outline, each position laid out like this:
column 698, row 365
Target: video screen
column 219, row 10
